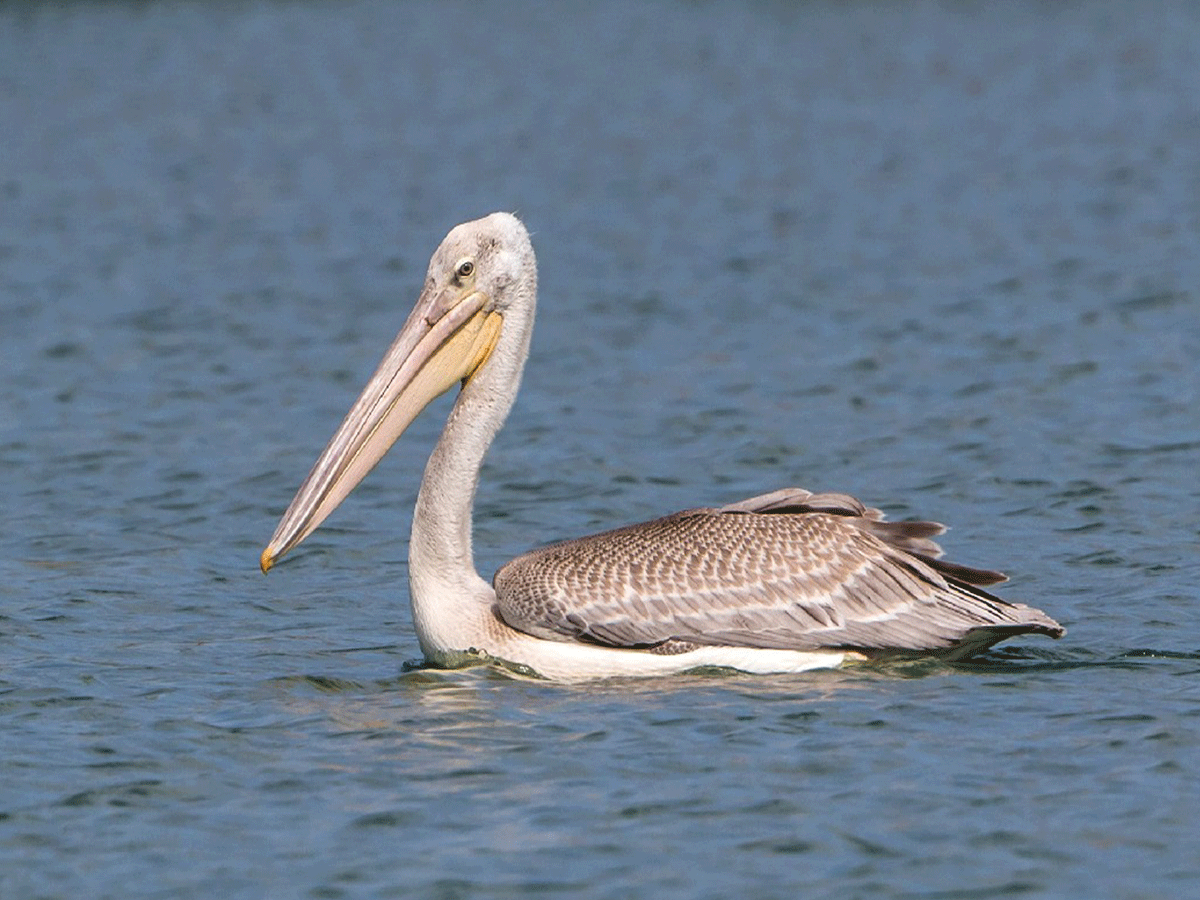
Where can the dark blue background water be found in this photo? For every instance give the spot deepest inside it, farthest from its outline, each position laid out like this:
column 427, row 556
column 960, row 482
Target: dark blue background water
column 943, row 257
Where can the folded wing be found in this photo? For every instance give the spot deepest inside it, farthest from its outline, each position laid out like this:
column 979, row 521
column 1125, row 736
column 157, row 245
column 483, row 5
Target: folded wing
column 786, row 570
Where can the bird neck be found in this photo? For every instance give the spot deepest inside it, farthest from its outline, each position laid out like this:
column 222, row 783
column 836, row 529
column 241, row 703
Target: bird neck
column 451, row 602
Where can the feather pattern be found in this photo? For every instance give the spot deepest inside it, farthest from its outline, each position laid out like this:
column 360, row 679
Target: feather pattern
column 786, row 570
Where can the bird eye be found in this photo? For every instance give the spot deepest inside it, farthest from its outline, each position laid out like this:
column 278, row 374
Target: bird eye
column 465, row 269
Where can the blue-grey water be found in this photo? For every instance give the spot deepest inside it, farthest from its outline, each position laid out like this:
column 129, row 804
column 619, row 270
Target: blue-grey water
column 941, row 256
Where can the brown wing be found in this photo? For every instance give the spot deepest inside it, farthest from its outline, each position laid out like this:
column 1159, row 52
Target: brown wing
column 787, row 570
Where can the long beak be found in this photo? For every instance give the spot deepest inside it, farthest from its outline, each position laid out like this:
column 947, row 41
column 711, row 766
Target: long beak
column 447, row 337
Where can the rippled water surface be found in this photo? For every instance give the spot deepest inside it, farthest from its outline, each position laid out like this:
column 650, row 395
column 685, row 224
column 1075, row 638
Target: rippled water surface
column 942, row 257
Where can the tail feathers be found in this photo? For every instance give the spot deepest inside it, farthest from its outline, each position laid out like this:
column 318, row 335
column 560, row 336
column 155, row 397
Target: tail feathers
column 979, row 639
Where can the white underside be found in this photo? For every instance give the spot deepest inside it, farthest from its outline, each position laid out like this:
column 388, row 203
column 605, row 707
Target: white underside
column 561, row 661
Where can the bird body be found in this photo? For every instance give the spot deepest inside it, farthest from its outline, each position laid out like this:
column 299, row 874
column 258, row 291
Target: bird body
column 783, row 582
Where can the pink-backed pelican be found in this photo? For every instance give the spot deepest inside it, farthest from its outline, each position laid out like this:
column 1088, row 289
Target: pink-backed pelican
column 782, row 582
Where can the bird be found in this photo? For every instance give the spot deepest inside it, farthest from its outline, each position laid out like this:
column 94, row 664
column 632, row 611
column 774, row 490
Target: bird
column 787, row 581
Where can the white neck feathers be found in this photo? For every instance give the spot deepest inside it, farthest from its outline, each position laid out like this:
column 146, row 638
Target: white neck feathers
column 451, row 603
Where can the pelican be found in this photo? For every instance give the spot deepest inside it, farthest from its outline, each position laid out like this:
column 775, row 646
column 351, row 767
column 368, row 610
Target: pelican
column 783, row 582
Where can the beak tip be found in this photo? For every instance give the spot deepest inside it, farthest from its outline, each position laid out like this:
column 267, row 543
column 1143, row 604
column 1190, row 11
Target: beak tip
column 266, row 561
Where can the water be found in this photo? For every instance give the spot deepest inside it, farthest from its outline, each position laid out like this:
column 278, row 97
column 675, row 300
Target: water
column 939, row 256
